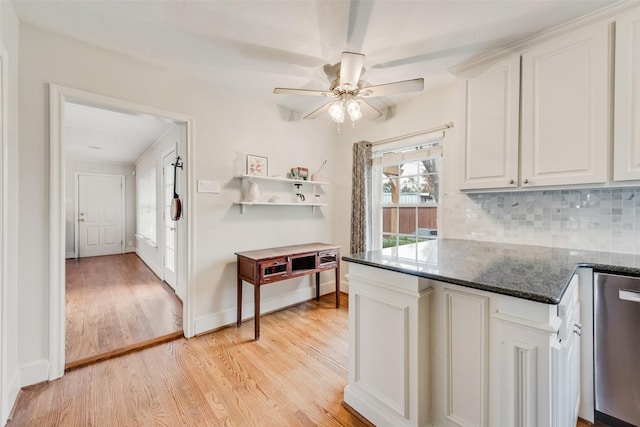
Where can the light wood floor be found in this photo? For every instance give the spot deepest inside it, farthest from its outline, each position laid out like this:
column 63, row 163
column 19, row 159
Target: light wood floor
column 115, row 304
column 293, row 376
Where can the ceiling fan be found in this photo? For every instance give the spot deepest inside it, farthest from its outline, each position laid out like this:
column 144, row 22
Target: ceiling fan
column 349, row 96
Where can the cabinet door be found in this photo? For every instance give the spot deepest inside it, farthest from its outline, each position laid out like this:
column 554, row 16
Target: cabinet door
column 491, row 137
column 571, row 352
column 565, row 110
column 626, row 149
column 568, row 393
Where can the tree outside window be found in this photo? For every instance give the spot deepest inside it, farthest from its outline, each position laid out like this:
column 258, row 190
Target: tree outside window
column 409, row 201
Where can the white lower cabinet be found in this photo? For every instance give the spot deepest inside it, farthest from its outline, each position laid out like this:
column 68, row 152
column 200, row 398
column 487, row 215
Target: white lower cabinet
column 427, row 353
column 388, row 347
column 567, row 389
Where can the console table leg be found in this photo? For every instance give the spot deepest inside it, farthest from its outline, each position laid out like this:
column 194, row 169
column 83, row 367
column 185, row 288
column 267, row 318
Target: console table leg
column 239, row 321
column 318, row 286
column 338, row 285
column 256, row 321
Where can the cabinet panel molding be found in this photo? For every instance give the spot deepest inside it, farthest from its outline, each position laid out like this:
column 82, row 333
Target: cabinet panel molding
column 626, row 150
column 492, row 127
column 467, row 357
column 525, row 385
column 565, row 110
column 381, row 351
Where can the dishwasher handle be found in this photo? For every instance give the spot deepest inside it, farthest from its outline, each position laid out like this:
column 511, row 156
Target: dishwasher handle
column 627, row 295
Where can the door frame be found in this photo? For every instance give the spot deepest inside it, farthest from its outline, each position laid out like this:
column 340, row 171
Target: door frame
column 164, row 154
column 58, row 96
column 5, row 386
column 76, row 208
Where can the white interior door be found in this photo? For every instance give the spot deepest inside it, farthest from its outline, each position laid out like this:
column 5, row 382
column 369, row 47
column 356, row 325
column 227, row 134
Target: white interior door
column 170, row 227
column 100, row 215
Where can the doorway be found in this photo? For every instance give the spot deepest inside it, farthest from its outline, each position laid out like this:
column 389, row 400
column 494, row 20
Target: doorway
column 59, row 97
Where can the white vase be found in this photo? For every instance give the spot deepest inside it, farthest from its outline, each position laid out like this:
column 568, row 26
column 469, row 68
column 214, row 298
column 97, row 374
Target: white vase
column 253, row 192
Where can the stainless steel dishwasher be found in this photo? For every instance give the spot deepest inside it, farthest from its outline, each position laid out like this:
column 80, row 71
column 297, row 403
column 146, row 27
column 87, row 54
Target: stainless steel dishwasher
column 617, row 349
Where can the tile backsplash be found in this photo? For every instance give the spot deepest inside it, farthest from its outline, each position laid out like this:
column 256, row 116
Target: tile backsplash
column 606, row 219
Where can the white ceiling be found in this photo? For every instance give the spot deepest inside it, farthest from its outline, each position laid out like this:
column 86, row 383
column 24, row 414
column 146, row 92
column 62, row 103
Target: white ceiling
column 92, row 133
column 254, row 46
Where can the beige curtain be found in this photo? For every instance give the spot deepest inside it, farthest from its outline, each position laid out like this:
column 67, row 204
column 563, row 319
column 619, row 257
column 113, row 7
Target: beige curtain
column 361, row 197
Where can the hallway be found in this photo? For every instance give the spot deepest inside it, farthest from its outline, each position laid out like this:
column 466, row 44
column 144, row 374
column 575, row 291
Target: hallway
column 116, row 304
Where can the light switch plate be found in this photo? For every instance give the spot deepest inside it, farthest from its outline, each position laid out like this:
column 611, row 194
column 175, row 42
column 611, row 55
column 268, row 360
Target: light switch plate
column 205, row 186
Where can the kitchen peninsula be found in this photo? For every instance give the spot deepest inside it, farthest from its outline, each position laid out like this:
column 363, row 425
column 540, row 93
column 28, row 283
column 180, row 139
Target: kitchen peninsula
column 461, row 333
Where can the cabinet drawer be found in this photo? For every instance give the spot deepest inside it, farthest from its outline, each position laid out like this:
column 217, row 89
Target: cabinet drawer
column 273, row 270
column 328, row 259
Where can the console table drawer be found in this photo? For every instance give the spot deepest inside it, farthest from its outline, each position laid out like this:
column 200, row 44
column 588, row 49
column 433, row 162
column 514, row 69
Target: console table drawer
column 274, row 270
column 328, row 259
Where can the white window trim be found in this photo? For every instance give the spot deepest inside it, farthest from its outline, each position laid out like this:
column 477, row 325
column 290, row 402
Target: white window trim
column 152, row 168
column 384, row 155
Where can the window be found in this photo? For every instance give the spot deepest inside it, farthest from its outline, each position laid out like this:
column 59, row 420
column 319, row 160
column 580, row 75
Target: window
column 406, row 192
column 146, row 199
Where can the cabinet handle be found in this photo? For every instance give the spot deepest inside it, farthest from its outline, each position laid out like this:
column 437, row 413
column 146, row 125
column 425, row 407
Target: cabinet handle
column 629, row 295
column 511, row 181
column 526, row 181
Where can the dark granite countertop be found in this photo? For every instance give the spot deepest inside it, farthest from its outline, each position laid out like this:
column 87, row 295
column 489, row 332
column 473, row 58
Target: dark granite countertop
column 535, row 273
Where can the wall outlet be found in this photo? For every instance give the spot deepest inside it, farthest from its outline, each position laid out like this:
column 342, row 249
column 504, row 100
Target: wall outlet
column 205, row 186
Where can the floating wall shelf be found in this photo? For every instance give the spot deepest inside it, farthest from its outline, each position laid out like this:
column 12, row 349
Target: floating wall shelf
column 295, row 182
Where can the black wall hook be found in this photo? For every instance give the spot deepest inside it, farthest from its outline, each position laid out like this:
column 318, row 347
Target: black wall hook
column 178, row 163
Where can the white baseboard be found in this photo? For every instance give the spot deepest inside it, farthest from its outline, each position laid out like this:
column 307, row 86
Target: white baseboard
column 12, row 389
column 213, row 321
column 370, row 408
column 34, row 372
column 130, row 249
column 70, row 255
column 157, row 271
column 344, row 285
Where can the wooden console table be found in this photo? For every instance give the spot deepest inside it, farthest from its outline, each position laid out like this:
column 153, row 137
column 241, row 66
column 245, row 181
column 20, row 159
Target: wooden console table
column 271, row 265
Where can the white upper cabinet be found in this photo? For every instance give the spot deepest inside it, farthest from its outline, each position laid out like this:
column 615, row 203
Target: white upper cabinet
column 626, row 149
column 565, row 110
column 543, row 118
column 491, row 127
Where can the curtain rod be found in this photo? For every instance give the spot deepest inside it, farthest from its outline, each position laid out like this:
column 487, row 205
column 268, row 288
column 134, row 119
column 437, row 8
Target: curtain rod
column 410, row 135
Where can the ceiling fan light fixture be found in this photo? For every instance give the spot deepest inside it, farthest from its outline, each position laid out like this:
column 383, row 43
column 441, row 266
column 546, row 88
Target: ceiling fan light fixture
column 353, row 108
column 336, row 111
column 348, row 93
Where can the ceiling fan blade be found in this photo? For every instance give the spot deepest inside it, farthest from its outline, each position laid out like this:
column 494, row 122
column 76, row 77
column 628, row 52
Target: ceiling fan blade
column 415, row 85
column 287, row 91
column 350, row 70
column 318, row 112
column 368, row 112
column 359, row 16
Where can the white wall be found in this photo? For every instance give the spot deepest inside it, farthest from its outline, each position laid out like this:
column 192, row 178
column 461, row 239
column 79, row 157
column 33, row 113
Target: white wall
column 74, row 166
column 9, row 371
column 225, row 124
column 174, row 138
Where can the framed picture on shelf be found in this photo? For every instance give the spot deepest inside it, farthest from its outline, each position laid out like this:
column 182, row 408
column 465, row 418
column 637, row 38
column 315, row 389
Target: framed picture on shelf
column 257, row 165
